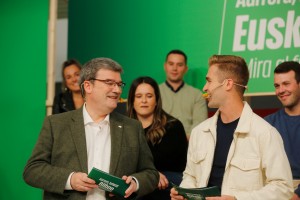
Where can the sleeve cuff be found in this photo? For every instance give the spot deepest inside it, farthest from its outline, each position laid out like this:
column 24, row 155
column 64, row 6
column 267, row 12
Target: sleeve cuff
column 68, row 183
column 137, row 183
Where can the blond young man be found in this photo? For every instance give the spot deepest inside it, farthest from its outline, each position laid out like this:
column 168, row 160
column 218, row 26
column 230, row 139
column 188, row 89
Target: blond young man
column 235, row 150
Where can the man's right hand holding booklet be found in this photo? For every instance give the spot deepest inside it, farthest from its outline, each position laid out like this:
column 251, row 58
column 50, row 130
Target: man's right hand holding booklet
column 123, row 187
column 132, row 185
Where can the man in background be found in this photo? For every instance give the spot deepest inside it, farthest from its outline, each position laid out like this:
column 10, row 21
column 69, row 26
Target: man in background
column 70, row 144
column 179, row 99
column 287, row 119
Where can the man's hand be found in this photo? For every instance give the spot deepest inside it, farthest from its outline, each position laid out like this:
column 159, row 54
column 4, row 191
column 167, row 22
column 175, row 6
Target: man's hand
column 175, row 196
column 132, row 187
column 223, row 197
column 163, row 182
column 80, row 182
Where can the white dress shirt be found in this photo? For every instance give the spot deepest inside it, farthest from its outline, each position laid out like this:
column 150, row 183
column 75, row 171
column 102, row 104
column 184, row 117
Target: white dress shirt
column 98, row 142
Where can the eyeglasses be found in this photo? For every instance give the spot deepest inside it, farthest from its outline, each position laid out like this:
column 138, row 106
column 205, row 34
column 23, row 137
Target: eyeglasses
column 110, row 83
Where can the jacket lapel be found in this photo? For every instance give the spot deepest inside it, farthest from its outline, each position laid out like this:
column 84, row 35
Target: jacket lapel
column 78, row 135
column 116, row 132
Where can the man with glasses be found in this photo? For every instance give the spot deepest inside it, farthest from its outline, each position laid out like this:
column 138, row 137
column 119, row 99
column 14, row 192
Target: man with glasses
column 71, row 144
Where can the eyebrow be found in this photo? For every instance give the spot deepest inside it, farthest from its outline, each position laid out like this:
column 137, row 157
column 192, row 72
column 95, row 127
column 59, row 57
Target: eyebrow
column 107, row 79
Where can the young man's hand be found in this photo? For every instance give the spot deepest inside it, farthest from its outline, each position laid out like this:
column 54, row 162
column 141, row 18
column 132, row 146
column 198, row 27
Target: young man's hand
column 175, row 196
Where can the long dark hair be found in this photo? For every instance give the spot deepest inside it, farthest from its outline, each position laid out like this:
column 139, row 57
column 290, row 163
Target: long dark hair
column 156, row 130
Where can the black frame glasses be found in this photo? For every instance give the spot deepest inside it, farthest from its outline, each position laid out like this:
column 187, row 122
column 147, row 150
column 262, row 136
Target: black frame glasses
column 110, row 83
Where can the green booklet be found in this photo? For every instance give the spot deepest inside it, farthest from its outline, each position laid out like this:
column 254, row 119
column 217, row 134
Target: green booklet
column 197, row 193
column 109, row 182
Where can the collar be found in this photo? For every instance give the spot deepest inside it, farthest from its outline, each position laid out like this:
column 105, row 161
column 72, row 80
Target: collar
column 87, row 119
column 175, row 91
column 244, row 124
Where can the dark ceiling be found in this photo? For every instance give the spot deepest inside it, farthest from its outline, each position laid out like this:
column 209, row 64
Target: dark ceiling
column 62, row 9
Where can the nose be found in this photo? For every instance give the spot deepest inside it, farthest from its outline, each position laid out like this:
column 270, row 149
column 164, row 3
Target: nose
column 280, row 89
column 205, row 87
column 174, row 67
column 117, row 88
column 144, row 99
column 75, row 79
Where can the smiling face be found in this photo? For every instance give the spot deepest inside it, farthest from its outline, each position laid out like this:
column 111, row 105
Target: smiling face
column 71, row 76
column 144, row 100
column 213, row 87
column 103, row 96
column 175, row 67
column 287, row 89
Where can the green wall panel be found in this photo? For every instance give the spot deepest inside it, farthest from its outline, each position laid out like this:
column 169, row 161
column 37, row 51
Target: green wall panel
column 23, row 52
column 139, row 34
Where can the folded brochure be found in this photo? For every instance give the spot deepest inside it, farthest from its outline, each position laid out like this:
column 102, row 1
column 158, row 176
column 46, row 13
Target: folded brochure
column 197, row 193
column 108, row 182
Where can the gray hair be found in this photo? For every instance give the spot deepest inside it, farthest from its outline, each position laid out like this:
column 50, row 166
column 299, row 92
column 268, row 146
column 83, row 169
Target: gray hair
column 90, row 69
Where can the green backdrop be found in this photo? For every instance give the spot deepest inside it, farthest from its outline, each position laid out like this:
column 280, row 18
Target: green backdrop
column 139, row 34
column 265, row 33
column 23, row 53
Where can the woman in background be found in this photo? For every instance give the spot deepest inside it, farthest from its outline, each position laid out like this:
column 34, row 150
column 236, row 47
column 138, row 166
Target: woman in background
column 70, row 98
column 165, row 134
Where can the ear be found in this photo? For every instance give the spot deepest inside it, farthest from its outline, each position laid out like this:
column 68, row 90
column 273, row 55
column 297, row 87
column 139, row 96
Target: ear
column 88, row 87
column 165, row 66
column 186, row 69
column 229, row 84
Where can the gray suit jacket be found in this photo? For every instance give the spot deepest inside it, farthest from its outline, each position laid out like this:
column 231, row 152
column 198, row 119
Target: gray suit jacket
column 61, row 149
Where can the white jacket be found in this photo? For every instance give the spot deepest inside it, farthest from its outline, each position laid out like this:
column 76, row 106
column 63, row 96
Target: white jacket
column 257, row 166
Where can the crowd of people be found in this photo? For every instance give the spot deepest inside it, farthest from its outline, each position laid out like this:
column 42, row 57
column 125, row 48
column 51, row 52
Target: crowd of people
column 167, row 138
